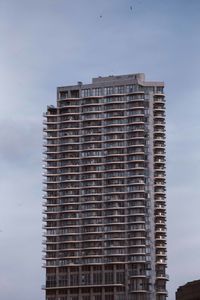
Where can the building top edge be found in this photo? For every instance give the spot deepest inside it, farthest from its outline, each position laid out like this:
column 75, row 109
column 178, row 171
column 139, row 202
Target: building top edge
column 138, row 78
column 190, row 283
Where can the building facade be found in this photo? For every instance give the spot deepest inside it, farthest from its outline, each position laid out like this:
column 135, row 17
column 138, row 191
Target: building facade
column 189, row 291
column 104, row 207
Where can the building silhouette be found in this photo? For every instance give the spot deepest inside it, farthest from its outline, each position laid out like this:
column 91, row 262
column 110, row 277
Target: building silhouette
column 189, row 291
column 104, row 215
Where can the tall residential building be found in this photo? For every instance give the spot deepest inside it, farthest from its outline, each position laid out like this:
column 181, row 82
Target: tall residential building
column 105, row 218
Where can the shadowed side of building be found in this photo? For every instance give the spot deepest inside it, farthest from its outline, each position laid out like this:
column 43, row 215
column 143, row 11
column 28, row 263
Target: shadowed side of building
column 189, row 291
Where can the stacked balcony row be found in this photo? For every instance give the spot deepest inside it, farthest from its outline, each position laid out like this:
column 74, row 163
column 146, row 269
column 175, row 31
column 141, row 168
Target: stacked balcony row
column 159, row 192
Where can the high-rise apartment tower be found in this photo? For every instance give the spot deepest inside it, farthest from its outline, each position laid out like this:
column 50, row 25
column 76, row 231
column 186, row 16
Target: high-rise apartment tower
column 105, row 219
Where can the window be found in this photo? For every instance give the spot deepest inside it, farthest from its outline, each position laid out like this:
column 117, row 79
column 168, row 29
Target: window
column 86, row 93
column 108, row 277
column 120, row 277
column 63, row 95
column 119, row 89
column 108, row 90
column 159, row 89
column 96, row 91
column 97, row 278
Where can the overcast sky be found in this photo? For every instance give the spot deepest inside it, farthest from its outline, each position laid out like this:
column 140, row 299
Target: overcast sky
column 49, row 43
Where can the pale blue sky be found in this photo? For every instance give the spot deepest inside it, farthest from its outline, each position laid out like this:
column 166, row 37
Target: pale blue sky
column 49, row 43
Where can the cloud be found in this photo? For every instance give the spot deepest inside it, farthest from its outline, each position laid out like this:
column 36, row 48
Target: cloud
column 50, row 43
column 20, row 139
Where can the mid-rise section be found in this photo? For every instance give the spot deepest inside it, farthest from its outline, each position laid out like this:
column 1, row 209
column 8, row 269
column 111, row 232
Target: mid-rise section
column 104, row 201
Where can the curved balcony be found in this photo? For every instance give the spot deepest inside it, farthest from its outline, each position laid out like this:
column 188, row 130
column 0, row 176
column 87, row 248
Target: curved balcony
column 50, row 129
column 159, row 98
column 158, row 131
column 50, row 143
column 59, row 209
column 162, row 275
column 160, row 123
column 160, row 211
column 96, row 238
column 135, row 159
column 159, row 144
column 159, row 154
column 51, row 138
column 161, row 291
column 161, row 261
column 158, row 108
column 159, row 189
column 69, row 152
column 136, row 104
column 136, row 151
column 60, row 232
column 70, row 136
column 94, row 117
column 92, row 126
column 160, row 245
column 69, row 112
column 160, row 237
column 113, row 109
column 140, row 96
column 159, row 175
column 158, row 115
column 138, row 274
column 160, row 214
column 159, row 160
column 51, row 114
column 71, row 126
column 63, row 105
column 50, row 160
column 45, row 196
column 64, row 142
column 160, row 223
column 134, row 122
column 52, row 150
column 160, row 200
column 50, row 121
column 159, row 138
column 161, row 254
column 113, row 144
column 160, row 183
column 69, row 119
column 113, row 139
column 136, row 206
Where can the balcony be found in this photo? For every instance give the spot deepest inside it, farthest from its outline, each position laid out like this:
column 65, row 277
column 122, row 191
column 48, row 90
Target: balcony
column 162, row 275
column 137, row 273
column 161, row 290
column 159, row 99
column 158, row 115
column 161, row 245
column 160, row 238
